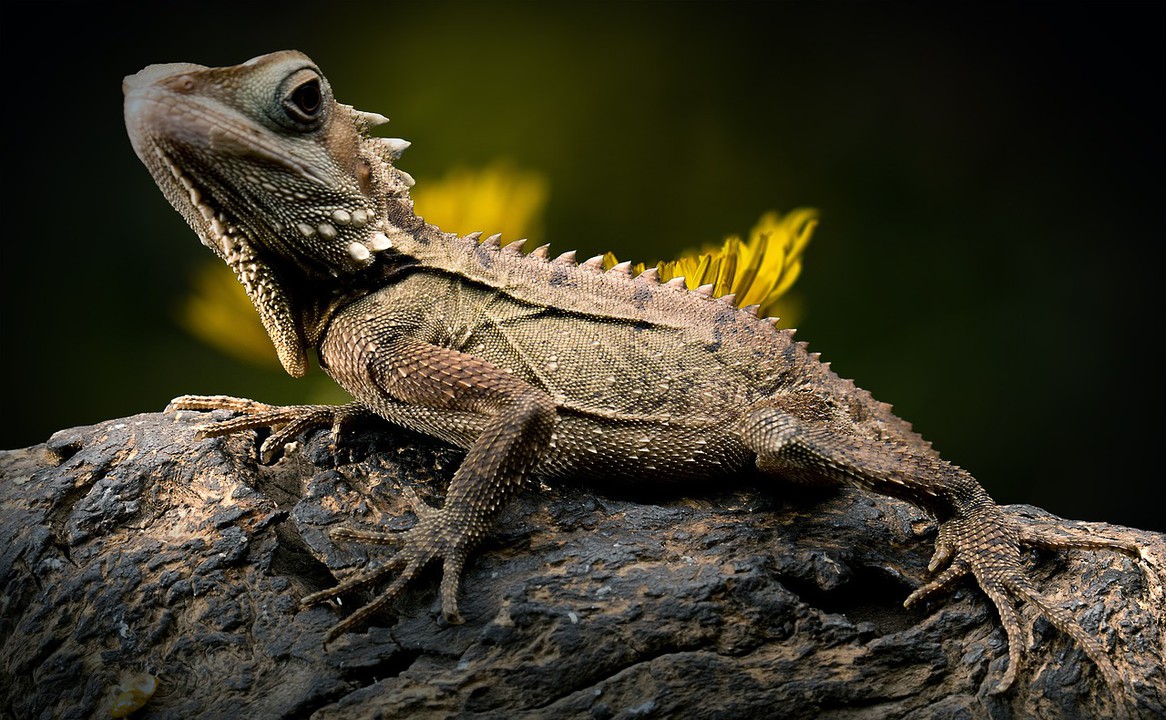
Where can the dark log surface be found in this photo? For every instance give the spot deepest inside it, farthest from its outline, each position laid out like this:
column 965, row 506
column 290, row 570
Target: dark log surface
column 131, row 551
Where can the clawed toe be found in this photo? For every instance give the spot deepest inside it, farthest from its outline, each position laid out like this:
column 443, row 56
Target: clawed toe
column 419, row 507
column 291, row 426
column 949, row 575
column 943, row 553
column 361, row 615
column 203, row 403
column 1079, row 540
column 431, row 539
column 450, row 579
column 987, row 545
column 288, row 422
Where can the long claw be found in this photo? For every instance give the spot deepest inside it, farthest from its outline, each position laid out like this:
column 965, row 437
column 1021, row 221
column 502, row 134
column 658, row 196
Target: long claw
column 1012, row 630
column 362, row 614
column 950, row 574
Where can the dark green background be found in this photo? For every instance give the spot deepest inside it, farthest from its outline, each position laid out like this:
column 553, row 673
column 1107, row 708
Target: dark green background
column 990, row 179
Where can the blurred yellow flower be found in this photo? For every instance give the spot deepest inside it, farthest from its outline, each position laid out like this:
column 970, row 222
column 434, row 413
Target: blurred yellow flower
column 218, row 312
column 497, row 198
column 758, row 271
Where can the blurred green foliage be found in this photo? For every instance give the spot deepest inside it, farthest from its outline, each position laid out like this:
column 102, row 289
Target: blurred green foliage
column 990, row 178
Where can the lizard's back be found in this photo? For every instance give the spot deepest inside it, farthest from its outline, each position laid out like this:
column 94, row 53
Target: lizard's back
column 633, row 364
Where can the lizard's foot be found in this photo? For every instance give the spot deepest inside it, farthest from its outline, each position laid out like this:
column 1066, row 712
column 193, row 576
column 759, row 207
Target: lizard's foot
column 436, row 535
column 287, row 421
column 986, row 543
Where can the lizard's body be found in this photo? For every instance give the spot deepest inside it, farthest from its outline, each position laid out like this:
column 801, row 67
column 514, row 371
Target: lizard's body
column 631, row 367
column 533, row 364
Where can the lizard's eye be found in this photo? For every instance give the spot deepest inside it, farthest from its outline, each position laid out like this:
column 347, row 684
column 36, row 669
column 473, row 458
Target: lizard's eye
column 302, row 100
column 307, row 98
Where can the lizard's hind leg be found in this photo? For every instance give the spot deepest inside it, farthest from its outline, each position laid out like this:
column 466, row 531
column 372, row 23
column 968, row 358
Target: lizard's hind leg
column 976, row 536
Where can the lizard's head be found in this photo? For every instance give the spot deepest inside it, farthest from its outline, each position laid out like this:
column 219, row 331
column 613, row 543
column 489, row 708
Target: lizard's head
column 274, row 175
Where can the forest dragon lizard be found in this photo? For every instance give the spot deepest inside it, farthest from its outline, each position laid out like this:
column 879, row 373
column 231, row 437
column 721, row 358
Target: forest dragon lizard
column 536, row 366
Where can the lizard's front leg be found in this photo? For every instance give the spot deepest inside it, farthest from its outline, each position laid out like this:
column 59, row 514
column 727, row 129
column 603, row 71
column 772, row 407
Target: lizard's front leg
column 976, row 536
column 505, row 421
column 287, row 421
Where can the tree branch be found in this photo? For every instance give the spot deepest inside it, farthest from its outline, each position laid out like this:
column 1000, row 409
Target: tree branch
column 129, row 550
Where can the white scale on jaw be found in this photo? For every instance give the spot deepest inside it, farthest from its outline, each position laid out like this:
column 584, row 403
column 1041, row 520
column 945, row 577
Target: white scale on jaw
column 223, row 235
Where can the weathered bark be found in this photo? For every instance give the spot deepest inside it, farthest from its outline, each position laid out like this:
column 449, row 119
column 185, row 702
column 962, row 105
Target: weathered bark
column 130, row 548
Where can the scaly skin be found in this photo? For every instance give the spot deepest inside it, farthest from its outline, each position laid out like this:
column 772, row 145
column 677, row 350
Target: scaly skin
column 536, row 366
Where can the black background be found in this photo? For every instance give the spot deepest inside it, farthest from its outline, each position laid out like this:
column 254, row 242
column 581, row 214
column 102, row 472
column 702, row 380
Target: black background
column 990, row 179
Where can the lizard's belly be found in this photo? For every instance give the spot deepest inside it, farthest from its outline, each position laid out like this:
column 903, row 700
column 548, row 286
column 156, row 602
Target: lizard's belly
column 604, row 449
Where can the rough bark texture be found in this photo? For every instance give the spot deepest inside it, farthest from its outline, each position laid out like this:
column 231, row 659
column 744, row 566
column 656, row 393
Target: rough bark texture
column 129, row 549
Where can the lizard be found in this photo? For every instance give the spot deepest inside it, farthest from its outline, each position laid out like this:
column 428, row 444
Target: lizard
column 536, row 366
